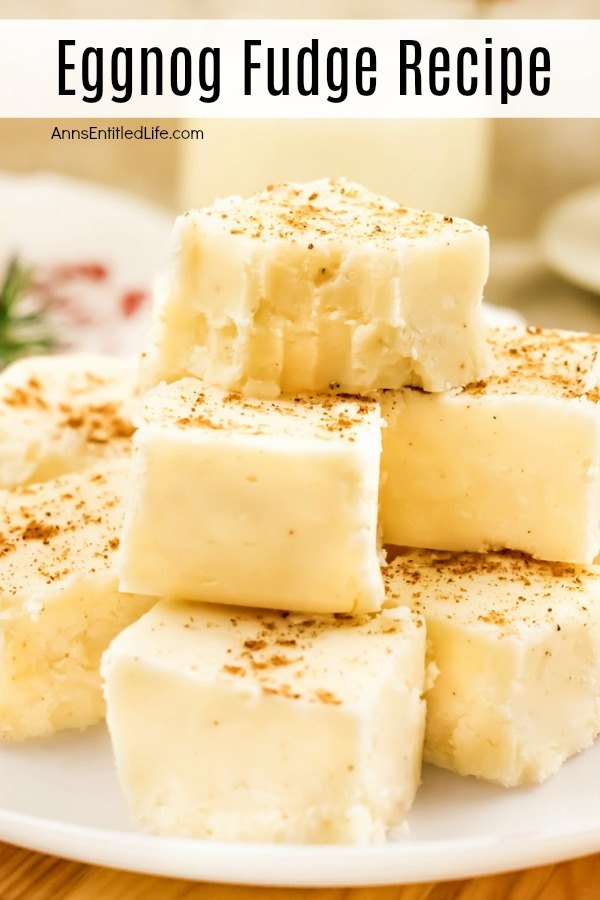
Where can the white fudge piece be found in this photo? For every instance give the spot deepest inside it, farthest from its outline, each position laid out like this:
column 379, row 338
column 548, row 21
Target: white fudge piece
column 513, row 461
column 254, row 502
column 302, row 286
column 60, row 603
column 517, row 645
column 241, row 725
column 59, row 414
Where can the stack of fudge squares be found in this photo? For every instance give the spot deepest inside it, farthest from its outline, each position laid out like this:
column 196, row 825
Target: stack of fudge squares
column 354, row 528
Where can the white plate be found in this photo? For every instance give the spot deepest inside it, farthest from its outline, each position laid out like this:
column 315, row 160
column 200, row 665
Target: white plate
column 54, row 223
column 61, row 796
column 570, row 238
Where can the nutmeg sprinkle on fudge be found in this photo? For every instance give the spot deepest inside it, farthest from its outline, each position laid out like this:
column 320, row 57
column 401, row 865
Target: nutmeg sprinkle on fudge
column 512, row 461
column 329, row 415
column 59, row 414
column 255, row 502
column 303, row 286
column 559, row 364
column 61, row 607
column 516, row 643
column 330, row 208
column 327, row 712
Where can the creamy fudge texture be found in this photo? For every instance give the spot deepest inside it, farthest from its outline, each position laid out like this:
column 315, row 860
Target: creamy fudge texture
column 517, row 645
column 304, row 286
column 59, row 599
column 512, row 461
column 59, row 414
column 247, row 725
column 254, row 502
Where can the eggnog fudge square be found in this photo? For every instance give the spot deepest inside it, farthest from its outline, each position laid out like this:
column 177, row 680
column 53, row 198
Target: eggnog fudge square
column 302, row 286
column 511, row 461
column 59, row 414
column 248, row 725
column 517, row 645
column 59, row 602
column 254, row 502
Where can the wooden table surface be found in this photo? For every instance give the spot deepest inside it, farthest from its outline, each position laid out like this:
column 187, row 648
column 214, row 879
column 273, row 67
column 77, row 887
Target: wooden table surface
column 32, row 876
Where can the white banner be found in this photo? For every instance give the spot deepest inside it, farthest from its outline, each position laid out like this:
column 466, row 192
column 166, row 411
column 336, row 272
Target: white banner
column 349, row 68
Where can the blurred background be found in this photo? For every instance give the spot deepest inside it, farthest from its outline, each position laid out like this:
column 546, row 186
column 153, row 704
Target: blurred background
column 531, row 181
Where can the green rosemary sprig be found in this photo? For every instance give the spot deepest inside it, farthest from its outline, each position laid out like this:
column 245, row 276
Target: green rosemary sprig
column 23, row 328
